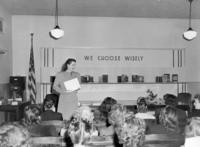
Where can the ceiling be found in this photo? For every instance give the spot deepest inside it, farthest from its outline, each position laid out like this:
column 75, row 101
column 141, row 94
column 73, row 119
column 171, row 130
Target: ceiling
column 106, row 8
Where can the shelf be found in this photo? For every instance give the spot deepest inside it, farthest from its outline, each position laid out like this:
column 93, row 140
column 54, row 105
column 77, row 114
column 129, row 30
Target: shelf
column 134, row 83
column 125, row 83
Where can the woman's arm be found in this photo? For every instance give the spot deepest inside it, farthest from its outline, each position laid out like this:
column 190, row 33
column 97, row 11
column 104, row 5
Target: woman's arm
column 56, row 85
column 79, row 79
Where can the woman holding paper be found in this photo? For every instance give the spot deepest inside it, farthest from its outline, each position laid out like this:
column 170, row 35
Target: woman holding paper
column 67, row 84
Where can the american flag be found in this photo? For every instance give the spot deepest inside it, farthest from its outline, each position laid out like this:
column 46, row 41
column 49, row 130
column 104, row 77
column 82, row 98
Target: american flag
column 31, row 76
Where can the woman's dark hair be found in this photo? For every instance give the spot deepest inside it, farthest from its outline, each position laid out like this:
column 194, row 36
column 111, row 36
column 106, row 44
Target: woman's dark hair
column 105, row 108
column 170, row 99
column 68, row 140
column 106, row 105
column 50, row 99
column 65, row 65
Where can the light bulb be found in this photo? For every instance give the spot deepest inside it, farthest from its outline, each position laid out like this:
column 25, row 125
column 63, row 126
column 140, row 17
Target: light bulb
column 190, row 34
column 57, row 33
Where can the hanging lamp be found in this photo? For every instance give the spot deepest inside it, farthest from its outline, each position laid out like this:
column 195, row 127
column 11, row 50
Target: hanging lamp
column 190, row 34
column 57, row 32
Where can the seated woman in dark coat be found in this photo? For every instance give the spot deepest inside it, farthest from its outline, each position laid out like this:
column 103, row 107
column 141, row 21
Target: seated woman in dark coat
column 49, row 111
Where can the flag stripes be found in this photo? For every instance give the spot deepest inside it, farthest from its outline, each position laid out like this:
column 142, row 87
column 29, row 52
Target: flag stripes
column 31, row 75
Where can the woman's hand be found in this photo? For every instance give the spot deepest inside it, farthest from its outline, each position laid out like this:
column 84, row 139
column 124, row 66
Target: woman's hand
column 67, row 91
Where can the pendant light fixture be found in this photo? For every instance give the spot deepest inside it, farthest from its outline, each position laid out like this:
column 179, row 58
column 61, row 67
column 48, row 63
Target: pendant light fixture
column 57, row 32
column 190, row 34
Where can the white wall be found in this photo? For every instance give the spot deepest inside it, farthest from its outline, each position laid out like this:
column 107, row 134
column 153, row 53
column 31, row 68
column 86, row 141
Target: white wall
column 5, row 59
column 5, row 44
column 102, row 32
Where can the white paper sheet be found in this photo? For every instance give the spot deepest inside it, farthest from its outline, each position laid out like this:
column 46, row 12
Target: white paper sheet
column 72, row 85
column 192, row 142
column 144, row 116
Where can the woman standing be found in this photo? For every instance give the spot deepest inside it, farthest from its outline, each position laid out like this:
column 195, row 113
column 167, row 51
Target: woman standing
column 68, row 100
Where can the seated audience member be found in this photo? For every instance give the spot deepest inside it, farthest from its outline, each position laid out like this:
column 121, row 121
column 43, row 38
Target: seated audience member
column 192, row 133
column 128, row 130
column 14, row 135
column 171, row 118
column 172, row 124
column 49, row 111
column 141, row 105
column 32, row 121
column 196, row 102
column 142, row 113
column 171, row 100
column 79, row 128
column 31, row 115
column 104, row 109
column 54, row 97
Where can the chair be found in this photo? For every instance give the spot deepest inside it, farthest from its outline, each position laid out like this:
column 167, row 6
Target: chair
column 55, row 141
column 185, row 99
column 163, row 140
column 58, row 124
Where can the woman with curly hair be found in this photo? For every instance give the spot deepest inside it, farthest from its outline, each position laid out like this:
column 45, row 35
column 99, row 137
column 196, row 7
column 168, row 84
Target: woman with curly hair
column 171, row 118
column 14, row 135
column 101, row 117
column 128, row 130
column 141, row 105
column 79, row 128
column 105, row 107
column 173, row 124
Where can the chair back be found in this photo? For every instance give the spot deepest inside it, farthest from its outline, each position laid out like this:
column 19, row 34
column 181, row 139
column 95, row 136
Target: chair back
column 40, row 141
column 164, row 140
column 185, row 99
column 53, row 122
column 58, row 124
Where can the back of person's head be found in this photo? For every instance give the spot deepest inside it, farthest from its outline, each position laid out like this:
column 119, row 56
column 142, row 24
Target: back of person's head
column 169, row 118
column 141, row 105
column 128, row 129
column 170, row 99
column 116, row 115
column 192, row 129
column 106, row 105
column 32, row 114
column 14, row 135
column 49, row 104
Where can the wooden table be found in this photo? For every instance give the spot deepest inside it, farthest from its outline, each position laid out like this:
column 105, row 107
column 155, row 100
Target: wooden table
column 16, row 110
